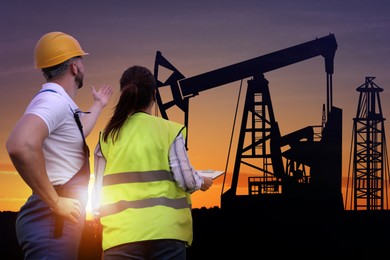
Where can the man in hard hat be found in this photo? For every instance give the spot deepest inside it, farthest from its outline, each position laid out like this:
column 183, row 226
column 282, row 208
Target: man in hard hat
column 48, row 149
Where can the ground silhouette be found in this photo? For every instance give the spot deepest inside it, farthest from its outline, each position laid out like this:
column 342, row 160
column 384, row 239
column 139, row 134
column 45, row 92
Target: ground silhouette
column 255, row 234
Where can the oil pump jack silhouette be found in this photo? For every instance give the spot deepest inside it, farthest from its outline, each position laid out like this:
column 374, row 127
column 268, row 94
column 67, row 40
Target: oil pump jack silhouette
column 302, row 169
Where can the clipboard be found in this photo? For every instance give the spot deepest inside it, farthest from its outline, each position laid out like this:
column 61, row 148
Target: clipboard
column 210, row 173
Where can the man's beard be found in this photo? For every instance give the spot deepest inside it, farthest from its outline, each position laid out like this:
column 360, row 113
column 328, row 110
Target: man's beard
column 79, row 78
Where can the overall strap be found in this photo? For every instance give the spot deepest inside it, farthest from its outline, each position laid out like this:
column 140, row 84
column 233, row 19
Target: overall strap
column 78, row 121
column 75, row 113
column 45, row 90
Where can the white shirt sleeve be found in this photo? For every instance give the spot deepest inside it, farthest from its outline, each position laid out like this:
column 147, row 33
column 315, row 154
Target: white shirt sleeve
column 183, row 172
column 99, row 166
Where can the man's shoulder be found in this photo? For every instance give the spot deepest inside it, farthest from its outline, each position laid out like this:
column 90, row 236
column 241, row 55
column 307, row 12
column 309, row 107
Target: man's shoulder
column 49, row 97
column 47, row 104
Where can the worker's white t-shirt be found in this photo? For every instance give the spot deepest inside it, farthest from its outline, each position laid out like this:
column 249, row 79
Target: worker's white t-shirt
column 63, row 148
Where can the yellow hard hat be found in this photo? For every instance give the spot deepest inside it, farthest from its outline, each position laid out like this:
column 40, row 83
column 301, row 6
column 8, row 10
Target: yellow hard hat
column 54, row 48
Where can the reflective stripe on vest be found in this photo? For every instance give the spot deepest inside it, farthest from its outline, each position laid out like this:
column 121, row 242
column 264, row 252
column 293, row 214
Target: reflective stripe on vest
column 131, row 177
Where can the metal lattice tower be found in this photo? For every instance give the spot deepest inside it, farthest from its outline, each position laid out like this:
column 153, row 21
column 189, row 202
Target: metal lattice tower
column 369, row 150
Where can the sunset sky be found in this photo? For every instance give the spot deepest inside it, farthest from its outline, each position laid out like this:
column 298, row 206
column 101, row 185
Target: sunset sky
column 196, row 37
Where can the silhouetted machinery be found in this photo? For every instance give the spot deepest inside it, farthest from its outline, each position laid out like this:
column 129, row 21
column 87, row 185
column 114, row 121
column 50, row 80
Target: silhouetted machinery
column 370, row 167
column 301, row 169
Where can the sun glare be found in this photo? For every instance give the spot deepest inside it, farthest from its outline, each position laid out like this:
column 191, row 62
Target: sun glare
column 89, row 214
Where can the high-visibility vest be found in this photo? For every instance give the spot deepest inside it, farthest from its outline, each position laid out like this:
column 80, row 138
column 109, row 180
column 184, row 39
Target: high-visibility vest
column 140, row 199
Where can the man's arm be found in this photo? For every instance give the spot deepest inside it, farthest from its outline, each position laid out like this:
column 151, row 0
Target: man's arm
column 26, row 153
column 101, row 99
